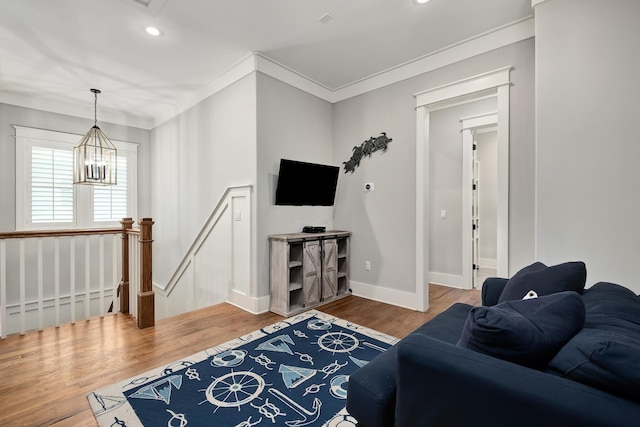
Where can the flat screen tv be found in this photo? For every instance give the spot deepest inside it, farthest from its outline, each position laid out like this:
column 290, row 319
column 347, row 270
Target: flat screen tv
column 306, row 184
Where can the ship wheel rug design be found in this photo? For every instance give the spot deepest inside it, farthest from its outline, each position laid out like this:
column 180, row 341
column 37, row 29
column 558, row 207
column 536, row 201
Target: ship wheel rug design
column 293, row 373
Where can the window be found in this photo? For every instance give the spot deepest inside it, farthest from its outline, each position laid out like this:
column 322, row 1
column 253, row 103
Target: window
column 46, row 197
column 110, row 203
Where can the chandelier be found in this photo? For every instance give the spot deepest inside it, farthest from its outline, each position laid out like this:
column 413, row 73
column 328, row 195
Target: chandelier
column 95, row 157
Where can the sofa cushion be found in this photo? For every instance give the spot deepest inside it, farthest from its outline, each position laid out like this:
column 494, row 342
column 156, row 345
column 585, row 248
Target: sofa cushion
column 613, row 308
column 602, row 359
column 447, row 326
column 569, row 276
column 527, row 332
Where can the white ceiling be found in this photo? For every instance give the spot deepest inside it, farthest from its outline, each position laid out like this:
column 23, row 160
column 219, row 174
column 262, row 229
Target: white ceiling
column 53, row 51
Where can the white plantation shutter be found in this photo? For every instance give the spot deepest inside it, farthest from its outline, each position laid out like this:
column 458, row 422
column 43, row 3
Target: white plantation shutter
column 51, row 185
column 110, row 203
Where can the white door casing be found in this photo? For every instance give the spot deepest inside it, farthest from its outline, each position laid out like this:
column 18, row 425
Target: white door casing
column 493, row 83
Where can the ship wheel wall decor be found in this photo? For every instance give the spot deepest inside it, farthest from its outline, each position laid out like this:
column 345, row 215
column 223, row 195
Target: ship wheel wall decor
column 367, row 148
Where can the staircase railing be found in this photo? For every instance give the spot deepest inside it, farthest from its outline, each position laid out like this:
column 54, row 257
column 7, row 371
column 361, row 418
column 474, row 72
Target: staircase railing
column 52, row 277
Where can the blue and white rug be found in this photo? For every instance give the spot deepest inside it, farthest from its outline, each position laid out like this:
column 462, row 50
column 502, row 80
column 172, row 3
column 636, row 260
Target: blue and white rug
column 293, row 373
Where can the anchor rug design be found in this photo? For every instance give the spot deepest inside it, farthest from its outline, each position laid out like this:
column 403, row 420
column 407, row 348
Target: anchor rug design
column 293, row 373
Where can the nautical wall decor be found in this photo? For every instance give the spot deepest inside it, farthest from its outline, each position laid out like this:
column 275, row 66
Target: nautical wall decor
column 367, row 148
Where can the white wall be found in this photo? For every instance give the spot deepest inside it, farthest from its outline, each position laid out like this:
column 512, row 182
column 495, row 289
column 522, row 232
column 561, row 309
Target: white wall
column 295, row 125
column 383, row 221
column 195, row 157
column 587, row 68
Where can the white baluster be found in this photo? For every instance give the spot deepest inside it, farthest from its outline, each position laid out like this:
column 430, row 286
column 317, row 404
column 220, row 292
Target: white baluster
column 22, row 288
column 56, row 275
column 114, row 272
column 87, row 279
column 3, row 289
column 40, row 287
column 102, row 275
column 72, row 277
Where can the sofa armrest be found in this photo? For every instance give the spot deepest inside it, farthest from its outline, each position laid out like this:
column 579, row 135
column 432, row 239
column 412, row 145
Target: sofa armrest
column 492, row 289
column 442, row 384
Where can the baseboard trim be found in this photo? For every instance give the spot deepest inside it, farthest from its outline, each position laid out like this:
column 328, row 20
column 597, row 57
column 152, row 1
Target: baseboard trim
column 450, row 280
column 389, row 296
column 250, row 304
column 488, row 263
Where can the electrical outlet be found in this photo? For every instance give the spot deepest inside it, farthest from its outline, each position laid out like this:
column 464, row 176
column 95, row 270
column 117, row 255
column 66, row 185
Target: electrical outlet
column 367, row 265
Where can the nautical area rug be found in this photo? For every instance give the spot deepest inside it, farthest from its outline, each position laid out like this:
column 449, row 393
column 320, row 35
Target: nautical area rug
column 293, row 373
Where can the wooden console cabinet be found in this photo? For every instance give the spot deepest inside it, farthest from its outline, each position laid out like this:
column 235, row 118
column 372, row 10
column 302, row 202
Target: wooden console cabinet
column 308, row 270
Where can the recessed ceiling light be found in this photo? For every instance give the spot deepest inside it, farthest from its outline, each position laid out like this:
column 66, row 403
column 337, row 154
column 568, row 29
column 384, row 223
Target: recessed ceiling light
column 421, row 1
column 153, row 31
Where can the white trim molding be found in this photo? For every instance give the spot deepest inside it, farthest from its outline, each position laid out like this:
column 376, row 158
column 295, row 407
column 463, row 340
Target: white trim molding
column 226, row 233
column 253, row 305
column 492, row 83
column 386, row 295
column 486, row 42
column 534, row 3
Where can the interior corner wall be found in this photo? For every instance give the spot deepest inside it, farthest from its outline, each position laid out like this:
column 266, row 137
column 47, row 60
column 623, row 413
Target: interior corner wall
column 13, row 115
column 295, row 125
column 195, row 156
column 383, row 221
column 587, row 136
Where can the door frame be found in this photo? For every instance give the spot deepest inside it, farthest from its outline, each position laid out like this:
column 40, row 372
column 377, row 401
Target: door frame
column 493, row 83
column 469, row 126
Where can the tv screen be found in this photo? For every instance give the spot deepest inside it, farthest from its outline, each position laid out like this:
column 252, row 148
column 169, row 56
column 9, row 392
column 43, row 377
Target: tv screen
column 310, row 184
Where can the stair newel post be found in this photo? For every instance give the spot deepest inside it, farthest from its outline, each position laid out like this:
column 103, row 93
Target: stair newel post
column 146, row 308
column 123, row 290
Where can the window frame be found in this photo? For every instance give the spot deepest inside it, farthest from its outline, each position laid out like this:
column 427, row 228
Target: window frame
column 83, row 202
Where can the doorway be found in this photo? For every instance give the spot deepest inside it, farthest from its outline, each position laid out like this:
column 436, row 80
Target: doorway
column 479, row 137
column 492, row 84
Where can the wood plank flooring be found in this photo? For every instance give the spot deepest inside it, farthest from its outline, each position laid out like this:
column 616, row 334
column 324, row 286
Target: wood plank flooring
column 45, row 376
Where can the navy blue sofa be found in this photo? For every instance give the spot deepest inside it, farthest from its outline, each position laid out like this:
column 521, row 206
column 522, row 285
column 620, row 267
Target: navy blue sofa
column 428, row 380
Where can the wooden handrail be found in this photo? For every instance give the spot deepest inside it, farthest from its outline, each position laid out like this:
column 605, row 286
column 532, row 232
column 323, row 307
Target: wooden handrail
column 57, row 233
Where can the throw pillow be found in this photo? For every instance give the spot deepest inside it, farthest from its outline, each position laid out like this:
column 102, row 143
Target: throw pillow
column 602, row 359
column 569, row 276
column 527, row 332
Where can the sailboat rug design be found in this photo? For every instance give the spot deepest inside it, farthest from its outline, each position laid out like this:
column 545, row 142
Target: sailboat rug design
column 293, row 373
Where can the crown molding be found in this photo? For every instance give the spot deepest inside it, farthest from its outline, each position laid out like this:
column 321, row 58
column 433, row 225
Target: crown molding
column 278, row 71
column 491, row 40
column 239, row 70
column 256, row 61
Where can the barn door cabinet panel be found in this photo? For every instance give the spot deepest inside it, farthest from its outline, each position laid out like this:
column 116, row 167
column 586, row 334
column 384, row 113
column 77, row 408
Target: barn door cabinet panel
column 308, row 270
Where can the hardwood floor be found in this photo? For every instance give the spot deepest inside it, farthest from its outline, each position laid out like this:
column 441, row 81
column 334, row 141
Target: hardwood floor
column 45, row 376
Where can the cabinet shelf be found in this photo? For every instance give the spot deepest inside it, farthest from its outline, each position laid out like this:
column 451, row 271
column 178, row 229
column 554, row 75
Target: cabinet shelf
column 307, row 270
